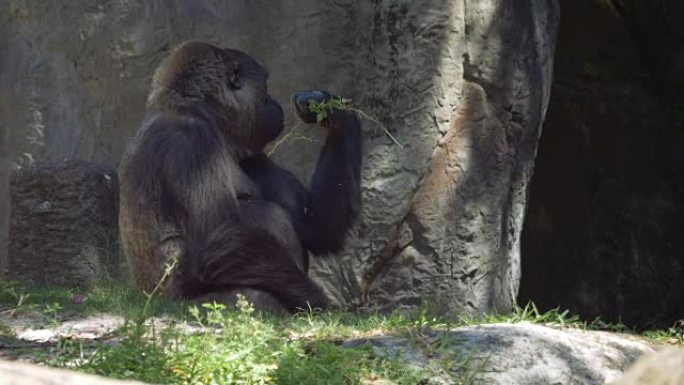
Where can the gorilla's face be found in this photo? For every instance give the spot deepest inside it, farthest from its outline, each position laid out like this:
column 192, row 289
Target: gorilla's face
column 259, row 113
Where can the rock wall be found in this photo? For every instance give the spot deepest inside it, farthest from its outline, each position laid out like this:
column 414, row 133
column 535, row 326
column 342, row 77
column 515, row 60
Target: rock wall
column 5, row 110
column 603, row 234
column 463, row 86
column 4, row 198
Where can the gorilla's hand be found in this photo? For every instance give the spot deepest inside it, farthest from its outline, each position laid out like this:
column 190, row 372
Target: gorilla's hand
column 301, row 100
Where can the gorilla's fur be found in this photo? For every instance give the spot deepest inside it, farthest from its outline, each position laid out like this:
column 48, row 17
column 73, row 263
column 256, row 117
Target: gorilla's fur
column 196, row 186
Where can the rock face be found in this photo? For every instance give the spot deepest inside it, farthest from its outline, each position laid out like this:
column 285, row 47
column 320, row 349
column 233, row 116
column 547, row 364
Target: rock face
column 604, row 224
column 63, row 224
column 515, row 354
column 442, row 216
column 4, row 199
column 463, row 86
column 17, row 373
column 662, row 368
column 6, row 109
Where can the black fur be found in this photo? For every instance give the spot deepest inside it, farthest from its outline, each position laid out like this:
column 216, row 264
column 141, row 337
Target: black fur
column 197, row 185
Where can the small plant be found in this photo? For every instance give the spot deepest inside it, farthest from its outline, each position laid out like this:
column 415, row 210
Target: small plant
column 6, row 330
column 324, row 108
column 169, row 269
column 673, row 335
column 529, row 313
column 10, row 293
column 53, row 310
column 599, row 324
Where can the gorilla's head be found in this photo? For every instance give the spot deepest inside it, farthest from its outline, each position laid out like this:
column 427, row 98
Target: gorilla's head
column 227, row 80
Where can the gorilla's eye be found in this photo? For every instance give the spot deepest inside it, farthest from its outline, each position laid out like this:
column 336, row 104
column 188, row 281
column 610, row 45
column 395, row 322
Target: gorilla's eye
column 234, row 78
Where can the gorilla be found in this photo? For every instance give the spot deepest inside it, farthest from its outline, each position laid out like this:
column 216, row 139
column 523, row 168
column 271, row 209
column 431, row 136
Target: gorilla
column 197, row 188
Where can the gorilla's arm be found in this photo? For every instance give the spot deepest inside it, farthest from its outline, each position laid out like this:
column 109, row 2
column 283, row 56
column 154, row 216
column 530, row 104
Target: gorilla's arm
column 334, row 193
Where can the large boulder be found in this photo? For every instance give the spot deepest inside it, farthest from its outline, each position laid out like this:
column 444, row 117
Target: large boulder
column 63, row 226
column 516, row 354
column 462, row 85
column 665, row 367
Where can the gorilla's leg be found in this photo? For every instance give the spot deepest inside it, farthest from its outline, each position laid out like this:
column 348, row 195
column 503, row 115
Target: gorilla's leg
column 260, row 252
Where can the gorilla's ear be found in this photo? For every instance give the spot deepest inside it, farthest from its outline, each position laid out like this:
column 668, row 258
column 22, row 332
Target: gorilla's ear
column 234, row 76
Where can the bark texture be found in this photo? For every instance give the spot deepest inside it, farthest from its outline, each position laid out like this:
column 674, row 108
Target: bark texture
column 63, row 224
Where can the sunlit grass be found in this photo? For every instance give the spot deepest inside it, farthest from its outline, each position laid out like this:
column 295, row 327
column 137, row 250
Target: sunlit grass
column 210, row 344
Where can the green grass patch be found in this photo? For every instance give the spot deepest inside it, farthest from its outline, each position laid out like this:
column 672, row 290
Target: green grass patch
column 238, row 346
column 673, row 335
column 530, row 314
column 210, row 344
column 57, row 302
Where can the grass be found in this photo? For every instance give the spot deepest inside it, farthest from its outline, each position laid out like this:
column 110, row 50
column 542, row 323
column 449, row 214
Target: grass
column 673, row 335
column 110, row 297
column 210, row 344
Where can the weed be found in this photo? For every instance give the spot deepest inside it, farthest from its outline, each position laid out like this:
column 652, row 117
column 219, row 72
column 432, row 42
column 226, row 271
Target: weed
column 52, row 310
column 6, row 330
column 529, row 313
column 673, row 335
column 322, row 110
column 17, row 301
column 326, row 107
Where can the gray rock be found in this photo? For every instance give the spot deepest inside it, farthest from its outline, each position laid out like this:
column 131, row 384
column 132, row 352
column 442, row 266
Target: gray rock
column 39, row 328
column 665, row 367
column 18, row 373
column 462, row 85
column 515, row 354
column 63, row 224
column 4, row 198
column 442, row 217
column 6, row 155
